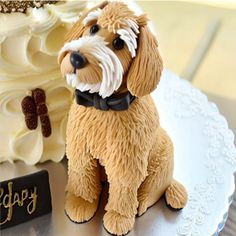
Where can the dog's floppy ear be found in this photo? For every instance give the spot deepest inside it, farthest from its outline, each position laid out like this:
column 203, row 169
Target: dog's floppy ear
column 145, row 71
column 78, row 28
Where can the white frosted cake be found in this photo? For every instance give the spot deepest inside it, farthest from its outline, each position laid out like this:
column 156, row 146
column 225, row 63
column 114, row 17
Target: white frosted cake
column 34, row 99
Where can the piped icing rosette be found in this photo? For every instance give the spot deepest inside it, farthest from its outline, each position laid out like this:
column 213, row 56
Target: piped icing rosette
column 29, row 43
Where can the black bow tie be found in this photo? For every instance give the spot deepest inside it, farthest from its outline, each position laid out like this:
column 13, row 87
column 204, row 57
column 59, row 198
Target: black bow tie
column 120, row 103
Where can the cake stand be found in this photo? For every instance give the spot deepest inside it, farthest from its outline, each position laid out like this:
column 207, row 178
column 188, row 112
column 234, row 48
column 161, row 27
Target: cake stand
column 205, row 160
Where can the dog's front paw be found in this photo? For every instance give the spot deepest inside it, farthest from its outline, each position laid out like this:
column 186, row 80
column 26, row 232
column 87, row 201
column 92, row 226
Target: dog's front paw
column 78, row 209
column 117, row 224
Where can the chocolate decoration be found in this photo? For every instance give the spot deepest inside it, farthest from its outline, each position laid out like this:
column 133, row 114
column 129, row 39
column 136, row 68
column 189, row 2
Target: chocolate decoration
column 34, row 106
column 42, row 111
column 39, row 96
column 22, row 6
column 31, row 122
column 24, row 198
column 46, row 126
column 29, row 109
column 28, row 105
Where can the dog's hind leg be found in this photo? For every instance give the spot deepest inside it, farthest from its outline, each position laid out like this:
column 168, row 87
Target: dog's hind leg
column 160, row 175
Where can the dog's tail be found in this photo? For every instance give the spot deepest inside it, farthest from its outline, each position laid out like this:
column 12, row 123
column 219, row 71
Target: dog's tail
column 176, row 196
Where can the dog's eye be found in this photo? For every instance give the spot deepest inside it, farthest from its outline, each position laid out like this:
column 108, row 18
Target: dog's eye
column 118, row 43
column 94, row 29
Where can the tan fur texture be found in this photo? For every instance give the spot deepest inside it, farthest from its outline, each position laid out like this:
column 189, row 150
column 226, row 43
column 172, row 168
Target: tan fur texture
column 141, row 82
column 78, row 28
column 113, row 16
column 136, row 153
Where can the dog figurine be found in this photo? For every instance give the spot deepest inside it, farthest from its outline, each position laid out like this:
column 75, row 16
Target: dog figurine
column 111, row 59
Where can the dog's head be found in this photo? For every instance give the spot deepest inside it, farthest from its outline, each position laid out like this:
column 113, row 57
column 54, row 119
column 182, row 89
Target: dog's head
column 108, row 48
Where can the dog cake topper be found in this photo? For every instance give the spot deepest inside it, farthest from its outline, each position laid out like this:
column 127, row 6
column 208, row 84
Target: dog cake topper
column 112, row 60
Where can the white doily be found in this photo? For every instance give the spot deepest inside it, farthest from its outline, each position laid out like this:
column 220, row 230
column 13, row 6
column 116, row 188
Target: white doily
column 205, row 156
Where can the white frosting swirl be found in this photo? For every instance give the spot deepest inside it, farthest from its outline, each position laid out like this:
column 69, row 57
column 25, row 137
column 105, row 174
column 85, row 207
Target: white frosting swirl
column 29, row 44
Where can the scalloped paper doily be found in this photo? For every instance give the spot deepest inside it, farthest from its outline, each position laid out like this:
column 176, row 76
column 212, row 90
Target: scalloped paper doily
column 205, row 155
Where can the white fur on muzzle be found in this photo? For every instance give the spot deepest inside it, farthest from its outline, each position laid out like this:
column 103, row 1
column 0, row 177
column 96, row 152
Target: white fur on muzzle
column 112, row 70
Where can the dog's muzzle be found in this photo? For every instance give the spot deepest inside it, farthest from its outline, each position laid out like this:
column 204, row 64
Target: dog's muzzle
column 77, row 60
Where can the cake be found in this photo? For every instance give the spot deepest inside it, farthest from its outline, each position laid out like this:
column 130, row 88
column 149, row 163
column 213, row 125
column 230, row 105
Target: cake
column 34, row 99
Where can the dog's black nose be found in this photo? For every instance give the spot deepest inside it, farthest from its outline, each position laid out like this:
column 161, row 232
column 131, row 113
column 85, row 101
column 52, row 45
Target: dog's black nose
column 77, row 60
